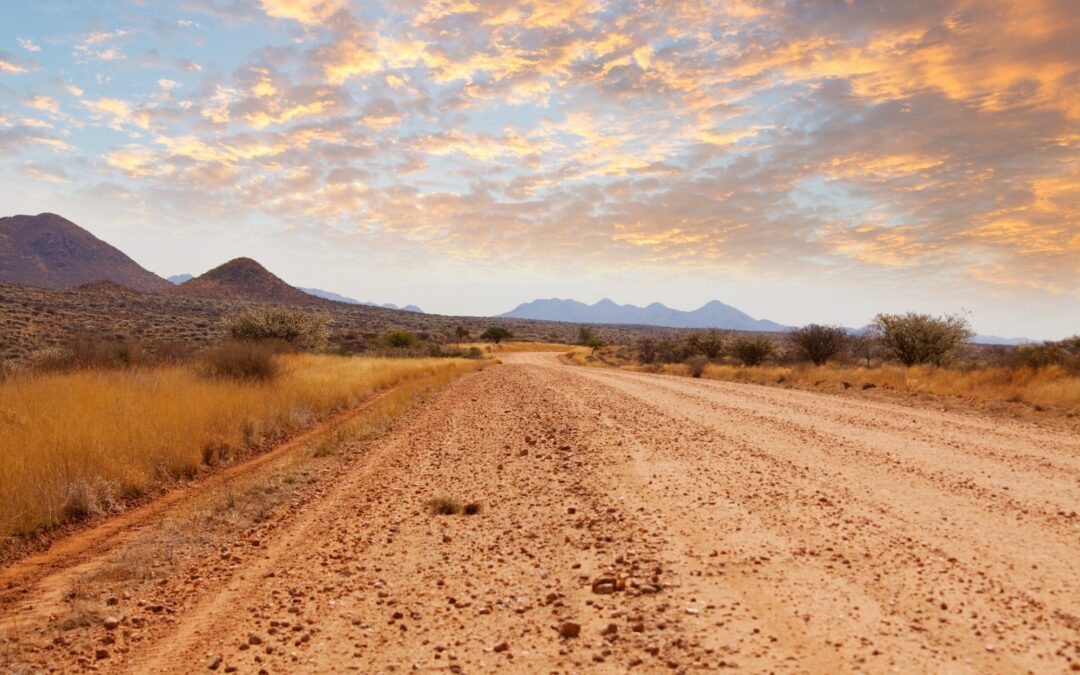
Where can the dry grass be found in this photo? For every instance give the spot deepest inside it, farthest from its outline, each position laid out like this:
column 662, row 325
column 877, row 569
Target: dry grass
column 81, row 443
column 1049, row 387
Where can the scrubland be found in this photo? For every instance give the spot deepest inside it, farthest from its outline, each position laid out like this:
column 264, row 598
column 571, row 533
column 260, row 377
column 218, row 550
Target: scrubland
column 77, row 443
column 1047, row 387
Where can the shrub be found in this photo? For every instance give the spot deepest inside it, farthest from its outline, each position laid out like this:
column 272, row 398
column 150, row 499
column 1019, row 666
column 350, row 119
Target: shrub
column 1065, row 353
column 709, row 342
column 462, row 333
column 595, row 343
column 914, row 339
column 399, row 339
column 697, row 364
column 474, row 353
column 443, row 506
column 52, row 359
column 648, row 350
column 496, row 334
column 752, row 350
column 818, row 343
column 586, row 333
column 239, row 361
column 295, row 327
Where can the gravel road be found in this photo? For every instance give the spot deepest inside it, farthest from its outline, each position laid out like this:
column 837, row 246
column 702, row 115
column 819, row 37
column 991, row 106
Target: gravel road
column 652, row 523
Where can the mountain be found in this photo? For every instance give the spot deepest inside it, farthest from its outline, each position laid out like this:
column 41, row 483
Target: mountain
column 328, row 295
column 406, row 308
column 50, row 251
column 244, row 279
column 995, row 340
column 714, row 314
column 180, row 278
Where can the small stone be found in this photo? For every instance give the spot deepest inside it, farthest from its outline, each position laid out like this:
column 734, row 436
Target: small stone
column 112, row 601
column 254, row 639
column 215, row 663
column 110, row 623
column 569, row 629
column 603, row 586
column 501, row 647
column 611, row 629
column 101, row 653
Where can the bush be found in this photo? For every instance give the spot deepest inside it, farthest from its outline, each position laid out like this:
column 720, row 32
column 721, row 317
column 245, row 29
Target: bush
column 586, row 333
column 1065, row 353
column 295, row 327
column 697, row 364
column 239, row 361
column 914, row 339
column 752, row 350
column 710, row 343
column 595, row 343
column 818, row 343
column 399, row 339
column 496, row 334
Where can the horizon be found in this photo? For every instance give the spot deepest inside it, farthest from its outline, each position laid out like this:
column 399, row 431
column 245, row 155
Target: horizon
column 803, row 164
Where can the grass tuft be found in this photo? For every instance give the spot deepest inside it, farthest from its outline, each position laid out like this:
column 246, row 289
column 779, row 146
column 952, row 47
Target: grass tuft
column 443, row 506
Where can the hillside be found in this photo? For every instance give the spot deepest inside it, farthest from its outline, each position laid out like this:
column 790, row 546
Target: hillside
column 244, row 279
column 33, row 318
column 712, row 315
column 50, row 251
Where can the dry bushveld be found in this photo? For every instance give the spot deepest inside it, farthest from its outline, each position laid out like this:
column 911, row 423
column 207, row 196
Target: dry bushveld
column 86, row 442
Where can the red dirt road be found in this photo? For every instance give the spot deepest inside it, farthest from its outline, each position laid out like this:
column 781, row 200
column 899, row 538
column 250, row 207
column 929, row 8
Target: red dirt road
column 682, row 524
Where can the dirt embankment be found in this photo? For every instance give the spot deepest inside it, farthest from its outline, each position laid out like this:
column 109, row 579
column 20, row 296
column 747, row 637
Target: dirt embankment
column 635, row 521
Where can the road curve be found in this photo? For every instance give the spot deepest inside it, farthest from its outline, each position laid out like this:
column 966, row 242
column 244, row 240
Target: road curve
column 681, row 524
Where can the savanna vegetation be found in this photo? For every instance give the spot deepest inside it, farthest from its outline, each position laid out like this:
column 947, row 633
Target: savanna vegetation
column 90, row 426
column 915, row 353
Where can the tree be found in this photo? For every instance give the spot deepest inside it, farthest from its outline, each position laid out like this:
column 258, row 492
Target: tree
column 462, row 333
column 710, row 343
column 865, row 347
column 586, row 333
column 752, row 350
column 914, row 339
column 818, row 343
column 594, row 343
column 496, row 334
column 295, row 327
column 648, row 350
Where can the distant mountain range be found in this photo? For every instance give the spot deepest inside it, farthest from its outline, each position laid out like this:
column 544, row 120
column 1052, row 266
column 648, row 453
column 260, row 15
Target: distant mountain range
column 50, row 251
column 714, row 314
column 328, row 295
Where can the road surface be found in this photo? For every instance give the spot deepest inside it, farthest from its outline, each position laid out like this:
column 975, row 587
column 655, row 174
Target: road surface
column 670, row 523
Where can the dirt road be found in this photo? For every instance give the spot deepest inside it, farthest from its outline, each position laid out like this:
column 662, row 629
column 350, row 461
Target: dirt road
column 681, row 524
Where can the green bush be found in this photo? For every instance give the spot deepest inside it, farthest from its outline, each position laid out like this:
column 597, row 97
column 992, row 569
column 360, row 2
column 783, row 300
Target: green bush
column 399, row 339
column 496, row 334
column 818, row 343
column 914, row 339
column 752, row 350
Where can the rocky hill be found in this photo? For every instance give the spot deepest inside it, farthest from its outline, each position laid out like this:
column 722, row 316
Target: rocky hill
column 50, row 251
column 244, row 279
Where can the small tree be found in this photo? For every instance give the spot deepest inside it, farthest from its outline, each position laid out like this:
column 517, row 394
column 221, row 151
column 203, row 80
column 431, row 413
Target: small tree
column 648, row 350
column 818, row 343
column 295, row 327
column 586, row 333
column 496, row 334
column 594, row 343
column 462, row 333
column 865, row 347
column 709, row 343
column 914, row 339
column 752, row 350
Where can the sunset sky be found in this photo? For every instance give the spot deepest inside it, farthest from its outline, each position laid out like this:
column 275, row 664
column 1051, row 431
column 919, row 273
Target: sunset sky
column 804, row 161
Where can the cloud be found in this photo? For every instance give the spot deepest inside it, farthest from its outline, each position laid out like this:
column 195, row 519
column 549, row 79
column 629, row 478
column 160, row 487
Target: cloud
column 28, row 45
column 98, row 46
column 304, row 11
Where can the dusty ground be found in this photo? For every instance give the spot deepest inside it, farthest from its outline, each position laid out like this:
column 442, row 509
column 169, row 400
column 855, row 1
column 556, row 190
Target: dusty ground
column 680, row 524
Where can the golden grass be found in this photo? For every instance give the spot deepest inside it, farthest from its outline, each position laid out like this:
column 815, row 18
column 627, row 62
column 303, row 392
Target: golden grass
column 77, row 443
column 1050, row 387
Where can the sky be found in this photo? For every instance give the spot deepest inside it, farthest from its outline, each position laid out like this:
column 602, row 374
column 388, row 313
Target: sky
column 804, row 161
